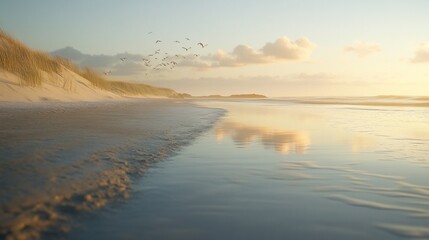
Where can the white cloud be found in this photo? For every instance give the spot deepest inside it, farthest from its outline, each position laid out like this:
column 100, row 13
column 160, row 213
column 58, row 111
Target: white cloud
column 421, row 55
column 285, row 49
column 280, row 50
column 363, row 49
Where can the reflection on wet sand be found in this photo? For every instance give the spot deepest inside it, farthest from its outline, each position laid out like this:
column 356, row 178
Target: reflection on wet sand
column 281, row 141
column 406, row 231
column 362, row 176
column 364, row 185
column 288, row 130
column 361, row 143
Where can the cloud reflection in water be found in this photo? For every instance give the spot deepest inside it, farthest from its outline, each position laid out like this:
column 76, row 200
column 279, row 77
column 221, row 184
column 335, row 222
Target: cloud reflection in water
column 281, row 141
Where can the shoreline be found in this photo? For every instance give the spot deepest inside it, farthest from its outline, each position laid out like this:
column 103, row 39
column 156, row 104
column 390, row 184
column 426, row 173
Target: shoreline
column 83, row 163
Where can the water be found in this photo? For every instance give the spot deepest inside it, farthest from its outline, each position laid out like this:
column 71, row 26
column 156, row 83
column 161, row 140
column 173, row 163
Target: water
column 59, row 160
column 277, row 169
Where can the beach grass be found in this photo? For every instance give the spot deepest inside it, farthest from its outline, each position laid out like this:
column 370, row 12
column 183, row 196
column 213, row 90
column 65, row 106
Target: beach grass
column 28, row 64
column 122, row 87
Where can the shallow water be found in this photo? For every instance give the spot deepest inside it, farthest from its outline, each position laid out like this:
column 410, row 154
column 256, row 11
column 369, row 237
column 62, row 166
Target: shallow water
column 59, row 160
column 284, row 170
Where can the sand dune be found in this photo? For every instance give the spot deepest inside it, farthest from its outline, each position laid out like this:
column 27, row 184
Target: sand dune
column 27, row 75
column 70, row 88
column 66, row 88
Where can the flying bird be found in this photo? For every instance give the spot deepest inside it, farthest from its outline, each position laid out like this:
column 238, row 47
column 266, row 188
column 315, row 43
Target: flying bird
column 177, row 41
column 186, row 48
column 123, row 59
column 202, row 45
column 158, row 41
column 107, row 72
column 188, row 39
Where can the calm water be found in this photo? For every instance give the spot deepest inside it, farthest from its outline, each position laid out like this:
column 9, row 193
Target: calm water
column 281, row 170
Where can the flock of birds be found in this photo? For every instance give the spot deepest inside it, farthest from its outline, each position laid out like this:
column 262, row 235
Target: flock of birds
column 157, row 61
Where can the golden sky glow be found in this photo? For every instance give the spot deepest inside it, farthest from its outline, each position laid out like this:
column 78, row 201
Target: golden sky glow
column 276, row 48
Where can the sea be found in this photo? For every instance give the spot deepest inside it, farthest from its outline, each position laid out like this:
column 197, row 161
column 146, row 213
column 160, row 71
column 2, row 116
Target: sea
column 276, row 168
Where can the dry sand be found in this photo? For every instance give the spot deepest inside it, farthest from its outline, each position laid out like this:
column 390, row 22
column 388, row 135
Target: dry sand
column 66, row 88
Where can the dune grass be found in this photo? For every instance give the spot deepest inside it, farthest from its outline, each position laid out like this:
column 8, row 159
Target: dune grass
column 122, row 87
column 28, row 64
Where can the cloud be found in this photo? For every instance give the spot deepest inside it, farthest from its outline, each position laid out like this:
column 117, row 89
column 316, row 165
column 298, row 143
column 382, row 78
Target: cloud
column 127, row 68
column 96, row 61
column 132, row 66
column 223, row 59
column 363, row 49
column 285, row 49
column 193, row 61
column 280, row 50
column 421, row 55
column 247, row 55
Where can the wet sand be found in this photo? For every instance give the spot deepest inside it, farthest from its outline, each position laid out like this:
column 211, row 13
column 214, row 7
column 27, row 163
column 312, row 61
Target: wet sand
column 58, row 160
column 266, row 169
column 282, row 170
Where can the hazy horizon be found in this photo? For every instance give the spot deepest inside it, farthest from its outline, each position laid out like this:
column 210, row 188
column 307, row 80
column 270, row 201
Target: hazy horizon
column 274, row 48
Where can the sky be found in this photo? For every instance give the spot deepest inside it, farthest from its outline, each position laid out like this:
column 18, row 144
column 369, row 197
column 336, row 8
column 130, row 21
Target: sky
column 271, row 47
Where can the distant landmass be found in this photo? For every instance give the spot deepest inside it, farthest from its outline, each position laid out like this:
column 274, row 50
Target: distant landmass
column 251, row 95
